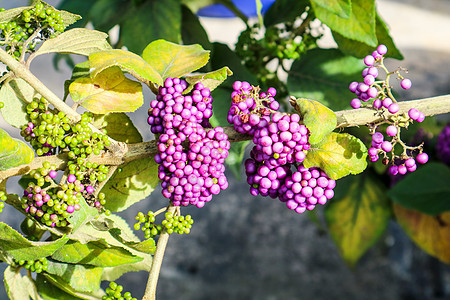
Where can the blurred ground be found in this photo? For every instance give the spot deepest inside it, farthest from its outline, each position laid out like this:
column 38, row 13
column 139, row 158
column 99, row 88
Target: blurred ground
column 244, row 247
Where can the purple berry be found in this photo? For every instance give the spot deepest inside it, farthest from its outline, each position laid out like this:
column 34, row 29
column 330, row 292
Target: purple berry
column 406, row 84
column 52, row 174
column 386, row 146
column 391, row 130
column 71, row 178
column 414, row 113
column 382, row 49
column 422, row 158
column 387, row 102
column 377, row 137
column 355, row 103
column 393, row 108
column 369, row 60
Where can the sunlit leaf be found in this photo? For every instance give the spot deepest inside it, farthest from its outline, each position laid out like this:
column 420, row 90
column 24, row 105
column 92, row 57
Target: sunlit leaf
column 119, row 127
column 17, row 287
column 13, row 152
column 341, row 8
column 431, row 233
column 109, row 91
column 358, row 216
column 127, row 61
column 319, row 119
column 82, row 278
column 338, row 155
column 210, row 80
column 82, row 216
column 173, row 60
column 52, row 287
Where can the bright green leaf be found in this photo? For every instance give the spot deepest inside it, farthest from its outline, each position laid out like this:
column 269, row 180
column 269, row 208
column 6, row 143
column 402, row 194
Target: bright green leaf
column 338, row 155
column 81, row 278
column 52, row 287
column 359, row 49
column 16, row 94
column 358, row 218
column 119, row 127
column 11, row 14
column 426, row 190
column 324, row 75
column 132, row 183
column 80, row 41
column 82, row 216
column 284, row 11
column 431, row 233
column 210, row 80
column 127, row 61
column 341, row 8
column 319, row 119
column 152, row 20
column 96, row 253
column 13, row 152
column 17, row 287
column 360, row 26
column 109, row 91
column 14, row 244
column 172, row 60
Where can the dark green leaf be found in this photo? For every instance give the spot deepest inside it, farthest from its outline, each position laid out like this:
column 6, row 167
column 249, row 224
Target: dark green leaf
column 324, row 75
column 152, row 20
column 283, row 11
column 80, row 277
column 357, row 216
column 319, row 119
column 192, row 31
column 134, row 182
column 341, row 8
column 81, row 8
column 127, row 61
column 359, row 49
column 105, row 14
column 426, row 190
column 13, row 152
column 172, row 60
column 119, row 127
column 16, row 94
column 338, row 155
column 360, row 26
column 98, row 253
column 15, row 245
column 17, row 286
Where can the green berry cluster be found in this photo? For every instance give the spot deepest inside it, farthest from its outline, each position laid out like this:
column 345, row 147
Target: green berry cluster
column 33, row 265
column 114, row 291
column 3, row 198
column 38, row 23
column 49, row 203
column 172, row 223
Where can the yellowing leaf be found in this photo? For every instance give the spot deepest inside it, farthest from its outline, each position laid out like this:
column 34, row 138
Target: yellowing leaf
column 319, row 119
column 80, row 41
column 119, row 127
column 13, row 152
column 173, row 60
column 338, row 155
column 431, row 233
column 126, row 60
column 210, row 80
column 359, row 217
column 109, row 91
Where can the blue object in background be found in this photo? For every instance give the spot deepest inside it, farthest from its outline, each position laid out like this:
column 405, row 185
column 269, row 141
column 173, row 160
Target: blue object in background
column 247, row 7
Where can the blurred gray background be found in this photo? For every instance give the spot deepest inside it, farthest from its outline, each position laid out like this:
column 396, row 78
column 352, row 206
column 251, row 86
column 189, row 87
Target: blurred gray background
column 244, row 247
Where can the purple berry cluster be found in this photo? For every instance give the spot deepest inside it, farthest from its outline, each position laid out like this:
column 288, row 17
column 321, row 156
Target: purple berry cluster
column 191, row 159
column 443, row 145
column 375, row 92
column 280, row 144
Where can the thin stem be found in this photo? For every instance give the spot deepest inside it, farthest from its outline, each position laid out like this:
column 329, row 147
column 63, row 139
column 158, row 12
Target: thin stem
column 150, row 290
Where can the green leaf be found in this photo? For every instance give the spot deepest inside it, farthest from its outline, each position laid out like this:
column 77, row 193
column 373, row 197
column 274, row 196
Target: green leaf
column 15, row 245
column 132, row 183
column 54, row 288
column 108, row 91
column 11, row 14
column 119, row 127
column 431, row 233
column 426, row 190
column 67, row 17
column 359, row 49
column 192, row 31
column 360, row 26
column 358, row 217
column 127, row 61
column 82, row 216
column 319, row 119
column 17, row 287
column 341, row 8
column 324, row 75
column 338, row 155
column 80, row 277
column 13, row 152
column 16, row 94
column 172, row 60
column 105, row 14
column 81, row 8
column 154, row 19
column 283, row 11
column 210, row 80
column 97, row 253
column 80, row 41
